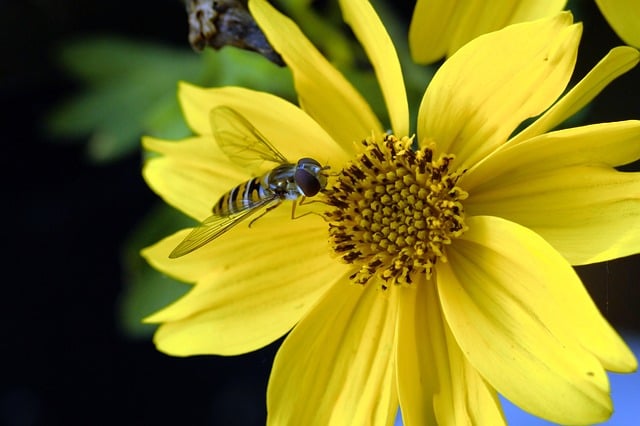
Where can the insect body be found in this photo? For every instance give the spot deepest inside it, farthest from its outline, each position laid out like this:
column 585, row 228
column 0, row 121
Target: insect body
column 244, row 144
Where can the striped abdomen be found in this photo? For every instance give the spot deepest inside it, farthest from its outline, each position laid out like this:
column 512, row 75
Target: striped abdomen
column 240, row 197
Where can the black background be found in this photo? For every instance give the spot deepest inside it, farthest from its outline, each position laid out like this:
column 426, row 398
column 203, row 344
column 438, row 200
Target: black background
column 65, row 220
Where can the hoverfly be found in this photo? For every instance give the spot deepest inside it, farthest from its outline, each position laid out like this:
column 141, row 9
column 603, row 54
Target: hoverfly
column 242, row 142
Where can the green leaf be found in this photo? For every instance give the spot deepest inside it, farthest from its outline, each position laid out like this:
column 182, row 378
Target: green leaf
column 130, row 90
column 145, row 289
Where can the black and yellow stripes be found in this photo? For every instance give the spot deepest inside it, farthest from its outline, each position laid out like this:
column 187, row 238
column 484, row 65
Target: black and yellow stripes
column 239, row 198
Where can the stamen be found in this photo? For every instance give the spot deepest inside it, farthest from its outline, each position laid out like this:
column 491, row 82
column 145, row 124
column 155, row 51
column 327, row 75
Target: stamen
column 395, row 211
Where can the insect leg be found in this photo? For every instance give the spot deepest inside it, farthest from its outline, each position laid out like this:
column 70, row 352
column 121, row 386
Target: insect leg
column 304, row 201
column 300, row 201
column 267, row 210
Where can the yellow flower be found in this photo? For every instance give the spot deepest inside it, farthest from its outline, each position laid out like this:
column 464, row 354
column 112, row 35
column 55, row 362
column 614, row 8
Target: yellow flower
column 624, row 18
column 440, row 27
column 438, row 276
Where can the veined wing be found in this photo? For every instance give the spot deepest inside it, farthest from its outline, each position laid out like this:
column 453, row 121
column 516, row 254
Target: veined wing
column 240, row 140
column 216, row 225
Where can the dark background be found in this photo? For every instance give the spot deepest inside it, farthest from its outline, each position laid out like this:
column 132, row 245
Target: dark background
column 64, row 360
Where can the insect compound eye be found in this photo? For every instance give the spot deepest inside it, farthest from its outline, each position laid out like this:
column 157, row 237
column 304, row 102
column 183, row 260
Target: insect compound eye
column 308, row 177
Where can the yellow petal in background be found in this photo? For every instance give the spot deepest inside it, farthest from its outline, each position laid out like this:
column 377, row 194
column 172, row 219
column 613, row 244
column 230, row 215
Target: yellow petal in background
column 432, row 29
column 561, row 185
column 371, row 33
column 624, row 18
column 606, row 144
column 260, row 282
column 504, row 294
column 583, row 319
column 195, row 151
column 617, row 62
column 472, row 401
column 191, row 174
column 196, row 103
column 473, row 104
column 337, row 366
column 421, row 354
column 440, row 27
column 588, row 213
column 286, row 126
column 436, row 384
column 188, row 269
column 323, row 92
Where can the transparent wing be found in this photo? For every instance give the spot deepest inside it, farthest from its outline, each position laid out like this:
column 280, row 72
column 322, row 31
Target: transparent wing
column 240, row 140
column 216, row 225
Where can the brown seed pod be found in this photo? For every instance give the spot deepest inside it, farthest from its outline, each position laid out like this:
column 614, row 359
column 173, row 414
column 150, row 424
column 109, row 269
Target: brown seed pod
column 218, row 23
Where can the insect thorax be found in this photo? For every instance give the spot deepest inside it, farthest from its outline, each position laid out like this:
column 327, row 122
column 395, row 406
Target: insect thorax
column 281, row 181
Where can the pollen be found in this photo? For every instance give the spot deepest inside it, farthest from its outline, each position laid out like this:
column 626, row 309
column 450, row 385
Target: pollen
column 395, row 210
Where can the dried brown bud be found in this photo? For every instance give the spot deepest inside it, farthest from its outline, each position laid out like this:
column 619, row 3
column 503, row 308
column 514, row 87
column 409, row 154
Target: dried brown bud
column 218, row 23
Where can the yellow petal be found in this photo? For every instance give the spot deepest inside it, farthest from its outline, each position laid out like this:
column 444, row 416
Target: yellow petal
column 607, row 144
column 524, row 321
column 323, row 92
column 588, row 213
column 436, row 384
column 617, row 62
column 583, row 320
column 337, row 365
column 432, row 29
column 487, row 88
column 558, row 185
column 422, row 359
column 259, row 283
column 624, row 18
column 440, row 27
column 188, row 269
column 286, row 126
column 371, row 33
column 191, row 174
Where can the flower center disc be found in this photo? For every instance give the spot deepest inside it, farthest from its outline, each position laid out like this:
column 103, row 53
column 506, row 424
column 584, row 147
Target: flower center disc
column 395, row 211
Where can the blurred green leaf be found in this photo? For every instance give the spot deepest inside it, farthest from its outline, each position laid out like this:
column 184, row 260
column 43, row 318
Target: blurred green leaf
column 124, row 80
column 324, row 29
column 108, row 58
column 147, row 290
column 130, row 90
column 146, row 293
